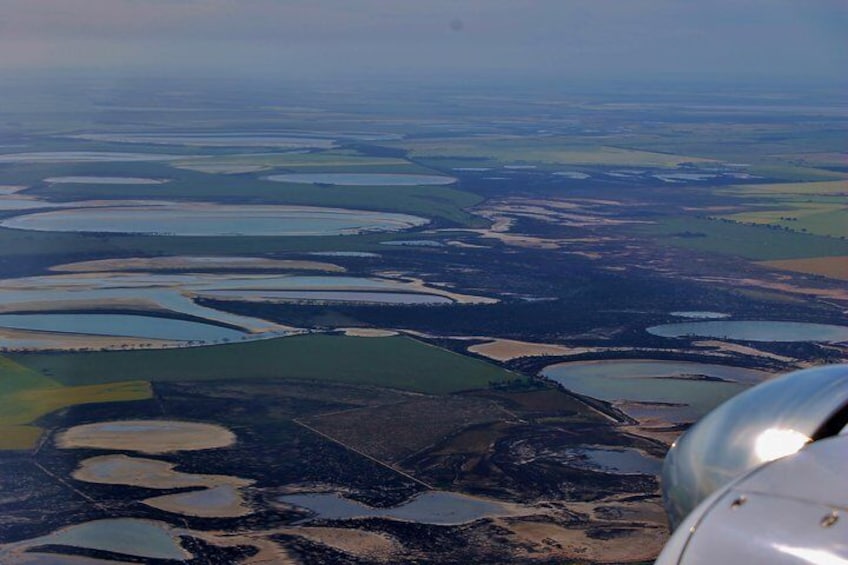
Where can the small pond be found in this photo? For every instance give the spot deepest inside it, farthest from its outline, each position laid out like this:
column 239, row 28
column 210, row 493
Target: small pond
column 616, row 460
column 223, row 501
column 432, row 507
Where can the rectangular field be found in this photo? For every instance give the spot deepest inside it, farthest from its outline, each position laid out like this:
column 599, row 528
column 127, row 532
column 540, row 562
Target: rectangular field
column 832, row 267
column 394, row 362
column 544, row 150
column 759, row 243
column 809, row 207
column 825, row 219
column 837, row 187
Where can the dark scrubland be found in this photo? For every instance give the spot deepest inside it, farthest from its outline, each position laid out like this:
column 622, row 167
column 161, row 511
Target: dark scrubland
column 544, row 297
column 278, row 453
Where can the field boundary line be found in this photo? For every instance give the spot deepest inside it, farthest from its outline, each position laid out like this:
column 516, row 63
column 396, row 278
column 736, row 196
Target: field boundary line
column 41, row 442
column 358, row 452
column 66, row 484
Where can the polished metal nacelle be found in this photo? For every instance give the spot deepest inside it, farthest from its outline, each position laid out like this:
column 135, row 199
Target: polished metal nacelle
column 763, row 478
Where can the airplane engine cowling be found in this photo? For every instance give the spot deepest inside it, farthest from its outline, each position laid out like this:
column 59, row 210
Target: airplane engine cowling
column 769, row 421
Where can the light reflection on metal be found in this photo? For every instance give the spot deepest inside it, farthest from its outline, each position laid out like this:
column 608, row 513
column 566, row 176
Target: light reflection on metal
column 775, row 443
column 811, row 556
column 764, row 422
column 784, row 512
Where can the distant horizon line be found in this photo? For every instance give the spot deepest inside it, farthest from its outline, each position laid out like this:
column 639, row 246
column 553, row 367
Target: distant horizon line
column 440, row 79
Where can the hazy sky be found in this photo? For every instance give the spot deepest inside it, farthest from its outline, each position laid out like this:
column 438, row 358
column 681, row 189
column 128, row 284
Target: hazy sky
column 778, row 38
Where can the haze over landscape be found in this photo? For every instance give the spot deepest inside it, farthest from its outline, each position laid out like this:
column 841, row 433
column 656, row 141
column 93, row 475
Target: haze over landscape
column 550, row 39
column 320, row 281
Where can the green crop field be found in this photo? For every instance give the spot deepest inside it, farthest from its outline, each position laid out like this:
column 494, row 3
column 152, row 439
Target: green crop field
column 32, row 385
column 810, row 207
column 832, row 267
column 542, row 150
column 396, row 362
column 820, row 219
column 824, row 188
column 428, row 201
column 26, row 395
column 794, row 173
column 759, row 243
column 821, row 159
column 790, row 152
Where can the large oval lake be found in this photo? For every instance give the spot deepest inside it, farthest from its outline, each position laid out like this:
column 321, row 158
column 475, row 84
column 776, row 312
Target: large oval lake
column 104, row 180
column 363, row 179
column 121, row 325
column 175, row 292
column 690, row 389
column 201, row 219
column 754, row 331
column 82, row 157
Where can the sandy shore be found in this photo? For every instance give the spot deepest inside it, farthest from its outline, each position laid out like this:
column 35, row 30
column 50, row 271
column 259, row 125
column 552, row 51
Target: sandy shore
column 742, row 350
column 412, row 284
column 640, row 529
column 840, row 294
column 187, row 262
column 370, row 545
column 13, row 339
column 367, row 332
column 509, row 349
